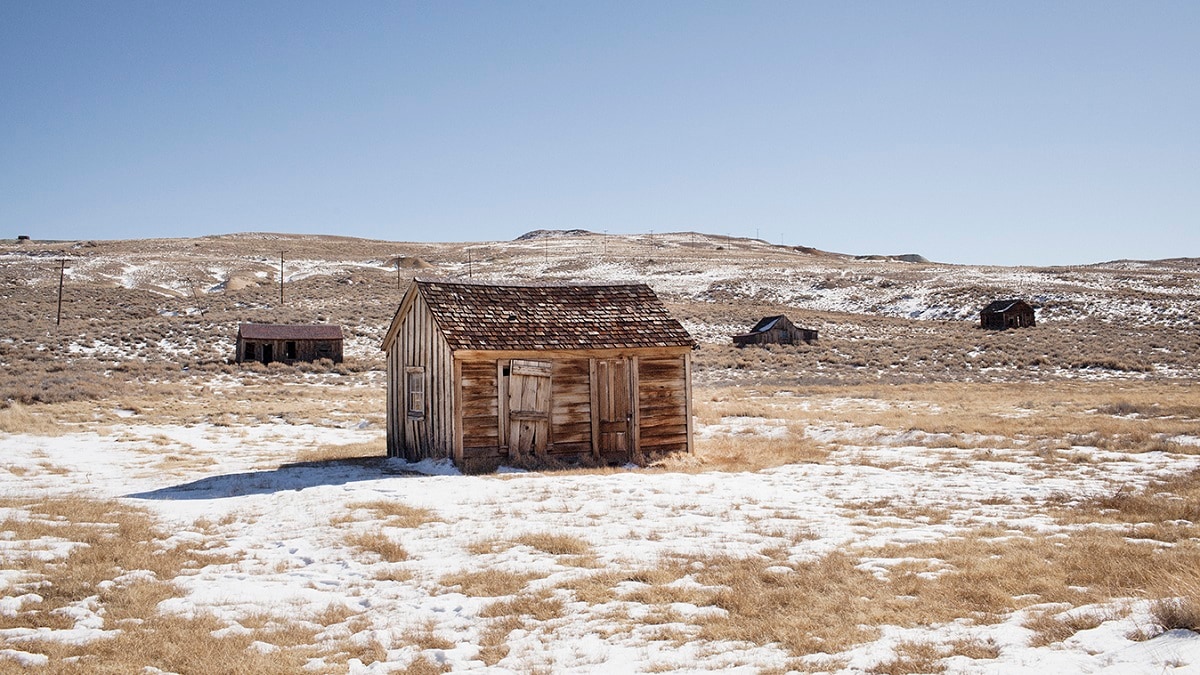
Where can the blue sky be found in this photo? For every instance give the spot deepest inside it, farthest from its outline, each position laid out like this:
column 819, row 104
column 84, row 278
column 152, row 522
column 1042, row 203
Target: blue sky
column 968, row 132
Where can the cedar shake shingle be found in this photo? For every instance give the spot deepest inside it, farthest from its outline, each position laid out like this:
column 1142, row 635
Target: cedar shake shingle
column 547, row 317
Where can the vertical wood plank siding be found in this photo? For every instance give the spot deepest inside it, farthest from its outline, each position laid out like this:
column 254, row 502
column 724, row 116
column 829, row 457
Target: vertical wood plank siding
column 420, row 344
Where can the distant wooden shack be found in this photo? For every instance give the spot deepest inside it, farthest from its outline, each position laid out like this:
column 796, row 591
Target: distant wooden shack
column 775, row 330
column 485, row 375
column 1003, row 314
column 288, row 343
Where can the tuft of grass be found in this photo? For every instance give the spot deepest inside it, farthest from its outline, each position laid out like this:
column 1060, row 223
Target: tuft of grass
column 540, row 606
column 397, row 514
column 1180, row 612
column 425, row 637
column 493, row 642
column 376, row 542
column 913, row 657
column 489, row 583
column 20, row 419
column 1051, row 628
column 555, row 543
column 980, row 650
column 329, row 453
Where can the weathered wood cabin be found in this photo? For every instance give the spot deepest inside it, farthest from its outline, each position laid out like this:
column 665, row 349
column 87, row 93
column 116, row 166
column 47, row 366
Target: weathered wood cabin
column 486, row 375
column 288, row 343
column 1003, row 314
column 775, row 330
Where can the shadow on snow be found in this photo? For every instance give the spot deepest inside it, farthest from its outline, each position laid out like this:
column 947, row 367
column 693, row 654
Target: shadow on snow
column 295, row 476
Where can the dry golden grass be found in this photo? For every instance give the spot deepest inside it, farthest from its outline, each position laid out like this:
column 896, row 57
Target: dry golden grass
column 829, row 605
column 114, row 538
column 601, row 587
column 488, row 546
column 22, row 419
column 541, row 606
column 977, row 649
column 326, row 453
column 1167, row 510
column 1055, row 416
column 425, row 637
column 380, row 544
column 493, row 642
column 1179, row 612
column 913, row 657
column 488, row 583
column 397, row 514
column 423, row 666
column 1049, row 627
column 555, row 543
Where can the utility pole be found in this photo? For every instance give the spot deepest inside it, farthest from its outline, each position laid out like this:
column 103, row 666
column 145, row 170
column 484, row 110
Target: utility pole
column 605, row 243
column 397, row 273
column 281, row 279
column 62, row 272
column 470, row 273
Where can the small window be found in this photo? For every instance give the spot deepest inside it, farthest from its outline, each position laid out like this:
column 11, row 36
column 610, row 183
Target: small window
column 324, row 349
column 415, row 392
column 289, row 349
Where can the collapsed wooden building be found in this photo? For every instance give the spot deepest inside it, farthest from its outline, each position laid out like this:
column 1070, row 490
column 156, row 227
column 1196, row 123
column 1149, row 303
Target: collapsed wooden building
column 775, row 330
column 288, row 343
column 490, row 374
column 1003, row 314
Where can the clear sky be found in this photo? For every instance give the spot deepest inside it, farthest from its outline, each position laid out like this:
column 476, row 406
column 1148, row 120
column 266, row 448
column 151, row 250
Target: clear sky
column 968, row 132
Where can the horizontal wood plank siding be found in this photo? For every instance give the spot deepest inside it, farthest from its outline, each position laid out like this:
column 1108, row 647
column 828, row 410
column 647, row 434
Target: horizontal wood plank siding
column 480, row 408
column 662, row 405
column 571, row 412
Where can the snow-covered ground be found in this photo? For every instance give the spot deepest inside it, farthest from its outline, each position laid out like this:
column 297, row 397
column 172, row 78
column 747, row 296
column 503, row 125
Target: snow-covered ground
column 287, row 528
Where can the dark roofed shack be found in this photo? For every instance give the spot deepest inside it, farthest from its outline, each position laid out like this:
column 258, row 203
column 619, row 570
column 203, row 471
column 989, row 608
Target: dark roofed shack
column 775, row 330
column 577, row 373
column 1003, row 314
column 288, row 343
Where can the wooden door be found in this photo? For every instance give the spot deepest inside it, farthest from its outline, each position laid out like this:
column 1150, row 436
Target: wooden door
column 528, row 407
column 615, row 410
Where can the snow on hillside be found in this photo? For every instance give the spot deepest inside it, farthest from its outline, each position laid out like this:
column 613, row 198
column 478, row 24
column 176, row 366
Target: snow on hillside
column 684, row 266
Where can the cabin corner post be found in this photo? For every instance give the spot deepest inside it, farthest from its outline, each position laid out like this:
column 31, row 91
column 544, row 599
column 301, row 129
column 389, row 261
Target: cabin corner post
column 687, row 398
column 635, row 412
column 594, row 406
column 393, row 425
column 456, row 405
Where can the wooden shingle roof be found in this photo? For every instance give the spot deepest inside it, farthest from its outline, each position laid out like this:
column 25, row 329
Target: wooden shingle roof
column 278, row 331
column 550, row 316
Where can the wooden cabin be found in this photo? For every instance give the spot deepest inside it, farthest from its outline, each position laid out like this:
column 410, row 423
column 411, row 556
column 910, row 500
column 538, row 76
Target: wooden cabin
column 1003, row 314
column 288, row 343
column 775, row 330
column 579, row 373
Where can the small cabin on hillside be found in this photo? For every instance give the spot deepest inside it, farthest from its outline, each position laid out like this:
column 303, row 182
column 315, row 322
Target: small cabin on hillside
column 775, row 330
column 288, row 343
column 579, row 373
column 1003, row 314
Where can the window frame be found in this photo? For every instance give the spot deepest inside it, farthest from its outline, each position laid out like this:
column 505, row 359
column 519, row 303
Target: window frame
column 414, row 396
